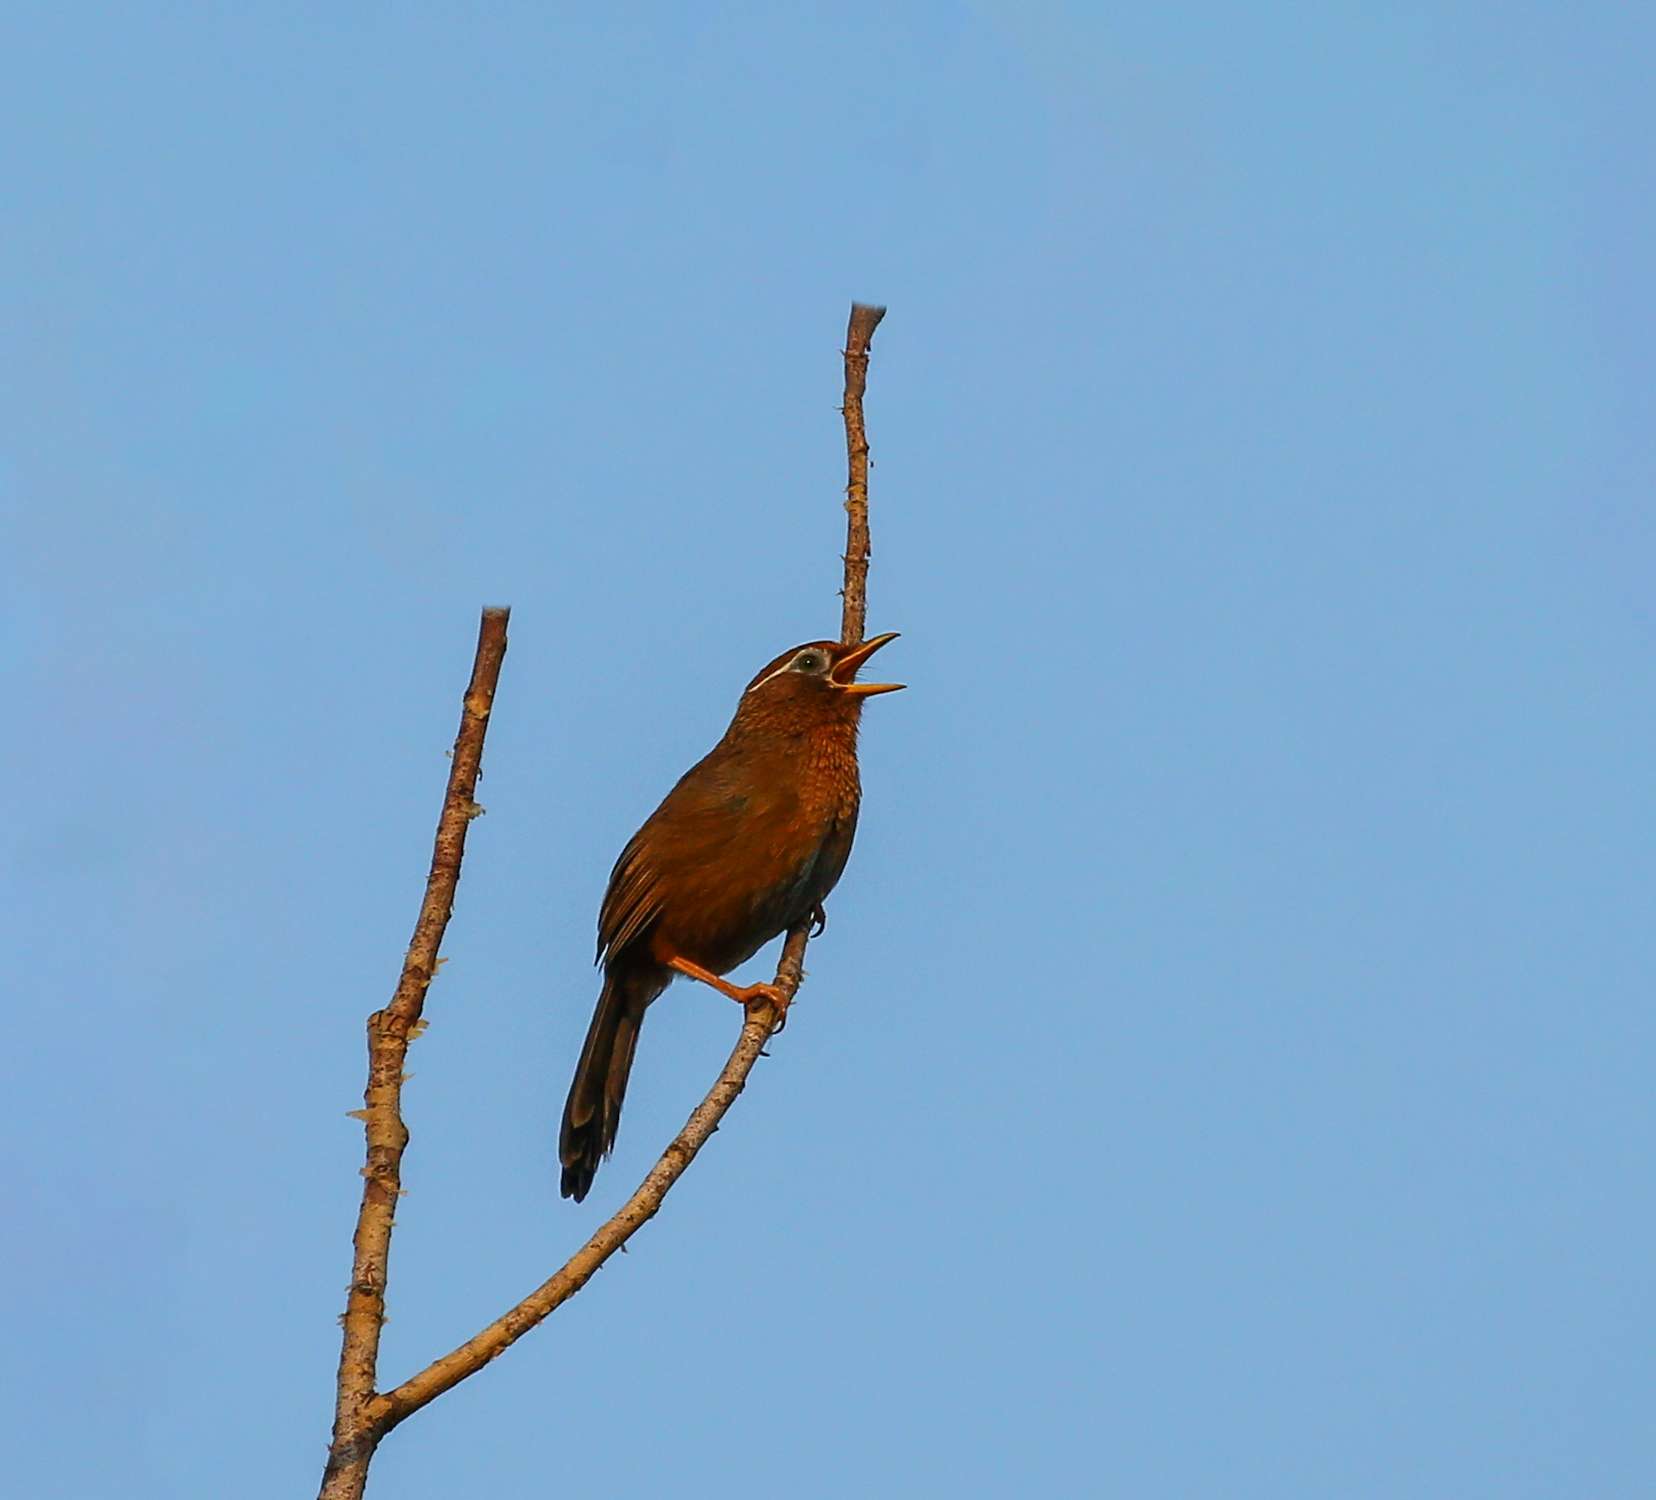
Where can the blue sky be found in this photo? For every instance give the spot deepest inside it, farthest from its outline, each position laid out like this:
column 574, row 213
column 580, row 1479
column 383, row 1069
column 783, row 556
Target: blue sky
column 1227, row 1067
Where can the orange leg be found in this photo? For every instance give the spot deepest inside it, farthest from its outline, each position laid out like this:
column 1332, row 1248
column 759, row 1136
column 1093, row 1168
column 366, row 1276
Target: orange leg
column 743, row 995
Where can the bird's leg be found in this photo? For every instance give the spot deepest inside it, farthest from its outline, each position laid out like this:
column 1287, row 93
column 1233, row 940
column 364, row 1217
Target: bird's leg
column 743, row 995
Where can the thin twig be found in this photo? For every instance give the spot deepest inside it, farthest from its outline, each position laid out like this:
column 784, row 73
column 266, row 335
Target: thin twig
column 389, row 1031
column 859, row 335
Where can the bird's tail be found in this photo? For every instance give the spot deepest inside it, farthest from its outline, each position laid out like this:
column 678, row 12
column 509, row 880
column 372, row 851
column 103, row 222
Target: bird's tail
column 593, row 1112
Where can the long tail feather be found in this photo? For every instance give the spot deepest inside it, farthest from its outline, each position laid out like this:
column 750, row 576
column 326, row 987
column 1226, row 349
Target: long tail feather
column 592, row 1114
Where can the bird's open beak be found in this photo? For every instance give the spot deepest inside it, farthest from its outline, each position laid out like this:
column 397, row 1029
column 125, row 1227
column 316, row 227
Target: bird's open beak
column 846, row 668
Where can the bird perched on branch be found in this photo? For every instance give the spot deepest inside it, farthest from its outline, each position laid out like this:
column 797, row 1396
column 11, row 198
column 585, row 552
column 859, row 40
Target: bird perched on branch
column 748, row 844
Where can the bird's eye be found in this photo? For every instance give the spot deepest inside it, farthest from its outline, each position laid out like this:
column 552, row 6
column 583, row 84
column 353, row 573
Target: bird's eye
column 808, row 661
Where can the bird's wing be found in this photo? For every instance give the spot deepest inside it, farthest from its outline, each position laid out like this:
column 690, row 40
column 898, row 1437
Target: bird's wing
column 718, row 812
column 632, row 901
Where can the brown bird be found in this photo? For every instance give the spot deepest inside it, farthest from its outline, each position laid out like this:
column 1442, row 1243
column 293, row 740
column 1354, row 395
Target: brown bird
column 749, row 843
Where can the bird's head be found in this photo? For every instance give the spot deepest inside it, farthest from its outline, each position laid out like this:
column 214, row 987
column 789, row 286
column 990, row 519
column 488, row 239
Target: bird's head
column 815, row 681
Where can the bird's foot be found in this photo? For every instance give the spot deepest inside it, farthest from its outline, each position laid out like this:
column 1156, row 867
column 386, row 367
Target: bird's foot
column 773, row 994
column 751, row 994
column 819, row 920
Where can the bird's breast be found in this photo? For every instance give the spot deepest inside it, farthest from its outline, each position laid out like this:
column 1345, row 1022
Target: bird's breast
column 746, row 848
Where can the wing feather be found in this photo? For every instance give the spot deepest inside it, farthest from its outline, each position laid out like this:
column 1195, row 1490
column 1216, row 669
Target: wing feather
column 631, row 903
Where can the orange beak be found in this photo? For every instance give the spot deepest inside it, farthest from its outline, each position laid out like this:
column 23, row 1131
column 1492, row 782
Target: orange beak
column 847, row 666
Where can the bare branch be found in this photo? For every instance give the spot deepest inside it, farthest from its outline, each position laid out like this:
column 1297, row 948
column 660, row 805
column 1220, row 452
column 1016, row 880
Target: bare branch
column 388, row 1035
column 386, row 1411
column 859, row 335
column 363, row 1417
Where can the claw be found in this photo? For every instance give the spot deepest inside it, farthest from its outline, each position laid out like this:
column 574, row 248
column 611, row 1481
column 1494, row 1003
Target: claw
column 755, row 993
column 819, row 917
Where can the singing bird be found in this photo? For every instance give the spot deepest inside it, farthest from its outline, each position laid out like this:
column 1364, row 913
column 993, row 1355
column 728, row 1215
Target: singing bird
column 748, row 844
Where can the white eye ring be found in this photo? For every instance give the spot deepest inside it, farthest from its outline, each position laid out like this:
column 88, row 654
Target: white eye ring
column 809, row 661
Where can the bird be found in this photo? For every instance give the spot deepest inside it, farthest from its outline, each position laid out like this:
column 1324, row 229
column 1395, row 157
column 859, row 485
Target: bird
column 748, row 844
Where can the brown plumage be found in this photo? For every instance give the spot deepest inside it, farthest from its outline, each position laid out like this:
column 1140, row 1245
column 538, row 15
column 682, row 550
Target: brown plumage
column 750, row 842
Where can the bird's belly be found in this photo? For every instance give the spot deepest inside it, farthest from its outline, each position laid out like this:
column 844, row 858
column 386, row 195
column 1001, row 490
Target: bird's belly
column 719, row 919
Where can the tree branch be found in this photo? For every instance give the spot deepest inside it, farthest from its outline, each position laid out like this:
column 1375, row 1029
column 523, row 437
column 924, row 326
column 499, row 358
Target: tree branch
column 389, row 1031
column 859, row 335
column 364, row 1418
